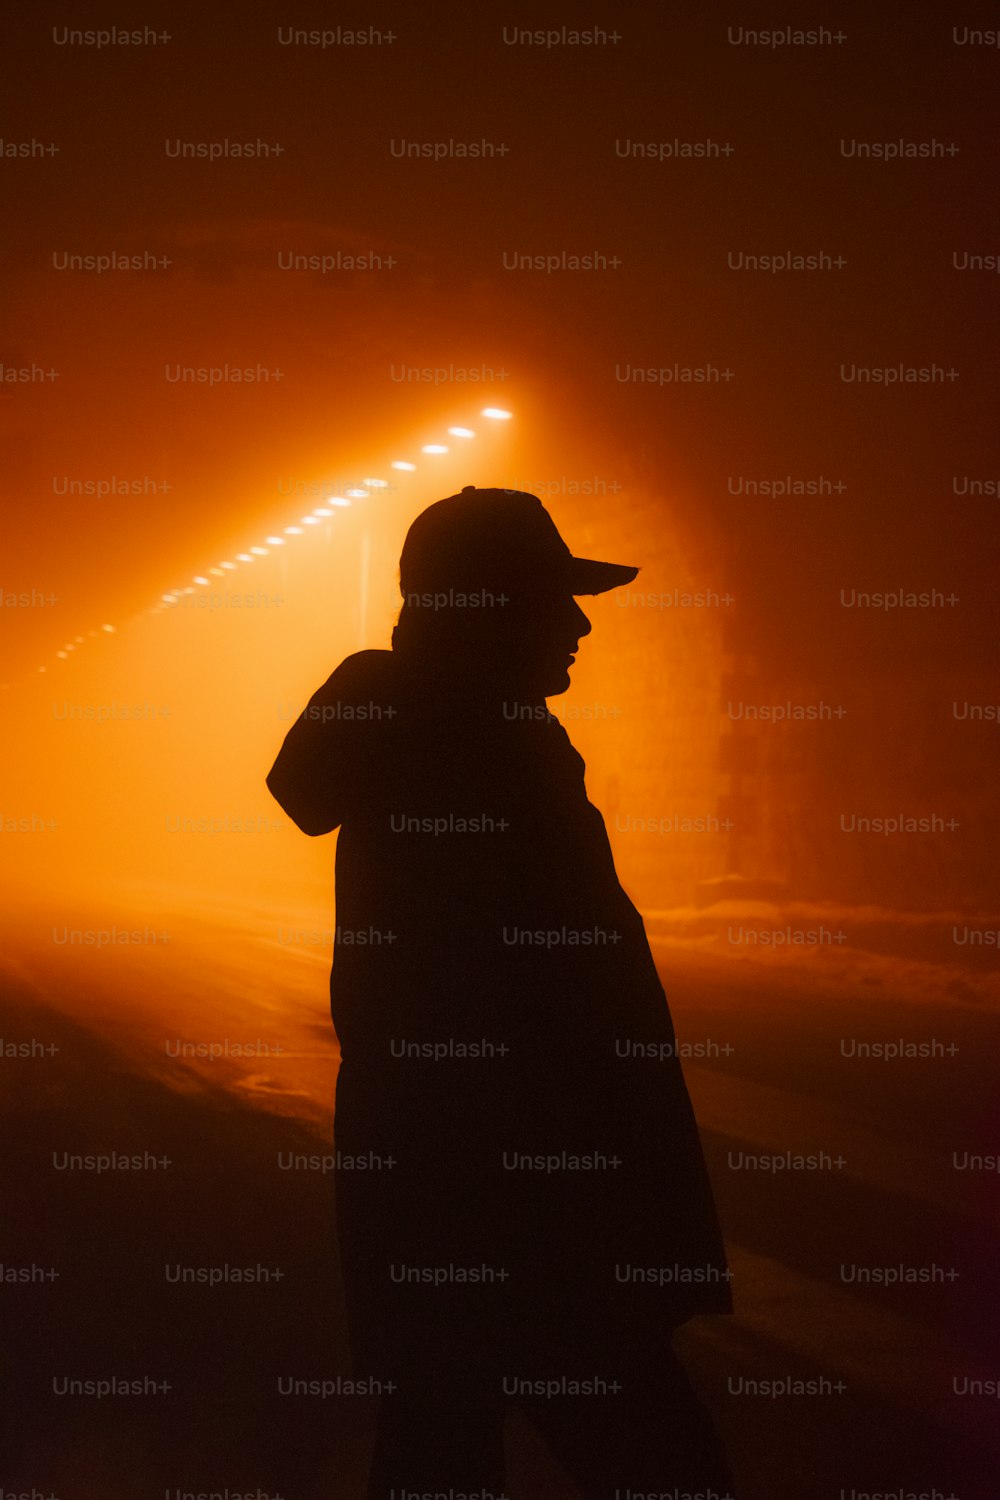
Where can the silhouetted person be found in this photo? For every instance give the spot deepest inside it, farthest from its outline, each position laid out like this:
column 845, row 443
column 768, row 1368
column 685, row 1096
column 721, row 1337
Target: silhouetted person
column 514, row 1135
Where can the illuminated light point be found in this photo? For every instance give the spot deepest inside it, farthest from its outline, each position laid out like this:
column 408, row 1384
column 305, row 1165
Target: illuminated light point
column 189, row 590
column 310, row 520
column 62, row 654
column 275, row 541
column 169, row 598
column 80, row 639
column 109, row 628
column 293, row 530
column 244, row 557
column 377, row 484
column 69, row 646
column 401, row 464
column 259, row 551
column 199, row 579
column 464, row 432
column 338, row 500
column 217, row 572
column 41, row 669
column 434, row 448
column 358, row 494
column 321, row 510
column 497, row 413
column 229, row 566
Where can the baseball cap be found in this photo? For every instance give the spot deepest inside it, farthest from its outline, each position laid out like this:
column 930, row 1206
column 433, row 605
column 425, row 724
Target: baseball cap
column 501, row 538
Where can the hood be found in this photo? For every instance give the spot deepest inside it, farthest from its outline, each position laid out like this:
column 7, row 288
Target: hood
column 381, row 712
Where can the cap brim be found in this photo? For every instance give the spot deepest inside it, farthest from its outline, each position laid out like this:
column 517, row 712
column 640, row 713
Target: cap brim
column 589, row 577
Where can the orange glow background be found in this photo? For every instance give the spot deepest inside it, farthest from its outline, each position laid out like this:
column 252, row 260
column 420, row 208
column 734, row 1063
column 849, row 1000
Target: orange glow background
column 712, row 822
column 629, row 472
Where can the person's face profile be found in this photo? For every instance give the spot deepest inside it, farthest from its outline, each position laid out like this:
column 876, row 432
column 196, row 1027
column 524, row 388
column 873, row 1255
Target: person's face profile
column 543, row 631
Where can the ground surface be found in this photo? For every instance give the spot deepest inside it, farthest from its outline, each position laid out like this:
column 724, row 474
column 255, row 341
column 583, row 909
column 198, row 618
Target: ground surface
column 772, row 1078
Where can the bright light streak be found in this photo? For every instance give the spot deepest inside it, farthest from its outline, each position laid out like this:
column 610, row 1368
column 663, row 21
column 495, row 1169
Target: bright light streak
column 495, row 413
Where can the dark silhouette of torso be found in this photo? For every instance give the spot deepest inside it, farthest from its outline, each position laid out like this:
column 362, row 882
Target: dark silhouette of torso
column 506, row 1044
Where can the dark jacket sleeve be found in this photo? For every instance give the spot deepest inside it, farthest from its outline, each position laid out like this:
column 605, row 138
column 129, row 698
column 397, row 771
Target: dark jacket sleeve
column 331, row 749
column 300, row 779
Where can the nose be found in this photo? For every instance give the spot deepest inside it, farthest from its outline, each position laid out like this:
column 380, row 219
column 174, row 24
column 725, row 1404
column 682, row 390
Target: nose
column 581, row 624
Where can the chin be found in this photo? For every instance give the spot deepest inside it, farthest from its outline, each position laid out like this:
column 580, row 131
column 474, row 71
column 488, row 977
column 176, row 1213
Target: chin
column 555, row 683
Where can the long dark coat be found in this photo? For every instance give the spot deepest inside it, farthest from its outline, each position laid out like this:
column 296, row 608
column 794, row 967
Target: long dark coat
column 503, row 1169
